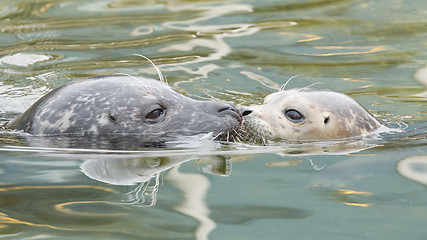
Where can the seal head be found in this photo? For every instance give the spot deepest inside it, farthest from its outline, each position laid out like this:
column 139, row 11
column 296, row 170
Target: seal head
column 306, row 114
column 126, row 105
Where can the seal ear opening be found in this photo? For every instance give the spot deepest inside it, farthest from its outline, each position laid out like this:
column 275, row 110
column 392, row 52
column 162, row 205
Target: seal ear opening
column 112, row 118
column 326, row 118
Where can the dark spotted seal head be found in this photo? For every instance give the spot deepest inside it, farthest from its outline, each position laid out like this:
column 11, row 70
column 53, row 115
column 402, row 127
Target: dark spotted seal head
column 126, row 105
column 307, row 114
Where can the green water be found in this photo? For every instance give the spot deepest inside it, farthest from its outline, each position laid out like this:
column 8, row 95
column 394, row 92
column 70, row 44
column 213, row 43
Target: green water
column 239, row 51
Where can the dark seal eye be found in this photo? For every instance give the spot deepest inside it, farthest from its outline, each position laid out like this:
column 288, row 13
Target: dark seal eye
column 155, row 116
column 294, row 116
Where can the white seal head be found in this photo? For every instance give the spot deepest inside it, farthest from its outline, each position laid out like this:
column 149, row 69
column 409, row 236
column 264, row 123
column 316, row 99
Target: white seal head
column 306, row 114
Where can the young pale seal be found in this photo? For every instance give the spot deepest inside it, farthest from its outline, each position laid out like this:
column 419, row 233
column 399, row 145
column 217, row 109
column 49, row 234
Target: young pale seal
column 120, row 105
column 306, row 114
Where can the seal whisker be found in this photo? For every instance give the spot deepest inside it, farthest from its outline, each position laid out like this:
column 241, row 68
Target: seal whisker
column 309, row 86
column 234, row 136
column 263, row 140
column 237, row 139
column 204, row 109
column 162, row 79
column 237, row 135
column 282, row 88
column 218, row 135
column 128, row 75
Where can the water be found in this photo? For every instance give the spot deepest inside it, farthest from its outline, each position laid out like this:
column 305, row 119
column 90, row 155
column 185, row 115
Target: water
column 239, row 51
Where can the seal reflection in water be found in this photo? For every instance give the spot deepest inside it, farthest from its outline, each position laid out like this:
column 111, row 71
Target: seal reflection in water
column 306, row 114
column 114, row 105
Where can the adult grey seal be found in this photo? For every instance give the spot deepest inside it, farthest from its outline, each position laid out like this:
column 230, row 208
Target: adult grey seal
column 126, row 105
column 307, row 114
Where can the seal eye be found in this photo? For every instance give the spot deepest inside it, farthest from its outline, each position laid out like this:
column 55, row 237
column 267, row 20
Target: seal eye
column 155, row 115
column 294, row 116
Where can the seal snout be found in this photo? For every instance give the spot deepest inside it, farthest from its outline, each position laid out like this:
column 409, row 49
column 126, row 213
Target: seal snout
column 226, row 108
column 225, row 117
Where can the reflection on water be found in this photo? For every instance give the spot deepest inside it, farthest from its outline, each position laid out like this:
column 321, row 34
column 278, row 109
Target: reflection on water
column 194, row 187
column 235, row 51
column 247, row 214
column 128, row 172
column 27, row 206
column 414, row 168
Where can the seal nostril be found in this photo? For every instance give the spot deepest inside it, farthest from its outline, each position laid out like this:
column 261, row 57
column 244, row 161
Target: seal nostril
column 246, row 112
column 226, row 109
